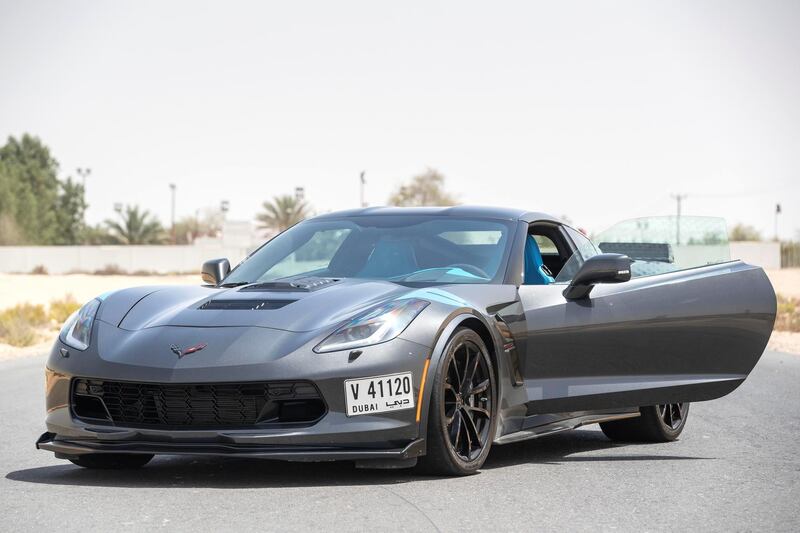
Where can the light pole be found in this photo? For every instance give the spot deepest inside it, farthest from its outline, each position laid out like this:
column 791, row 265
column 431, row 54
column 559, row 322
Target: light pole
column 363, row 183
column 172, row 190
column 777, row 212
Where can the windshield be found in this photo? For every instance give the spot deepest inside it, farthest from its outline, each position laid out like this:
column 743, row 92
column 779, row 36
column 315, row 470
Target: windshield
column 403, row 248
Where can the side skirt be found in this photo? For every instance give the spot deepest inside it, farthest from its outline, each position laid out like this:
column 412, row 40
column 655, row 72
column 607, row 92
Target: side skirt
column 541, row 425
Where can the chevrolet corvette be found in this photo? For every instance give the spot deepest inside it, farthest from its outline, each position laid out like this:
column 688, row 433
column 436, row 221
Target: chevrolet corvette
column 395, row 337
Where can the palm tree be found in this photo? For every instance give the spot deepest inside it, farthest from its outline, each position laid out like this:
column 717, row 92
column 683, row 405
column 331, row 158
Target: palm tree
column 282, row 213
column 135, row 226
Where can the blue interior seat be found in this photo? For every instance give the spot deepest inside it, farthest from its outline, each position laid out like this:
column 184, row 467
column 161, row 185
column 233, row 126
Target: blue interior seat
column 535, row 271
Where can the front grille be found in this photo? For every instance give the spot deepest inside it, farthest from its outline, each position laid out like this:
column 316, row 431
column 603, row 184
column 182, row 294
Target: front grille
column 198, row 405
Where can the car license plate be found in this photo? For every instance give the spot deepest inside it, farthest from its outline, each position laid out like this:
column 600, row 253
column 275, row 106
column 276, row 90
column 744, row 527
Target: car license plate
column 379, row 394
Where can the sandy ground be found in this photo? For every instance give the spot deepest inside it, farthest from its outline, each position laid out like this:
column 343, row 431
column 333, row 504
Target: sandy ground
column 18, row 288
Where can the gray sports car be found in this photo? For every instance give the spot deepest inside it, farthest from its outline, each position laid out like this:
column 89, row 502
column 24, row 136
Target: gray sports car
column 398, row 336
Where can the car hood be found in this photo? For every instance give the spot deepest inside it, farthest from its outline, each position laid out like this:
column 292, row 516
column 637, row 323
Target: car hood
column 196, row 306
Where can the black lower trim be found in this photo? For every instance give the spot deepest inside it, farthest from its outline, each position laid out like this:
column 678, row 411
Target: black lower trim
column 72, row 448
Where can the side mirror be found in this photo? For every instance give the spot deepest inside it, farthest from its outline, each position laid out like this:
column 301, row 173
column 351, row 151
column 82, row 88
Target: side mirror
column 602, row 268
column 215, row 270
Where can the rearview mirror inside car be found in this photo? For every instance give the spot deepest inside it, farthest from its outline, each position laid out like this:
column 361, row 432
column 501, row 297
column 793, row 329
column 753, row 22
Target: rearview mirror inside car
column 602, row 268
column 215, row 270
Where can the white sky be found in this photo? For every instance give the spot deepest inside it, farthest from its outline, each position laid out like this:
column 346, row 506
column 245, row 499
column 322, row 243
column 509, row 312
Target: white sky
column 596, row 110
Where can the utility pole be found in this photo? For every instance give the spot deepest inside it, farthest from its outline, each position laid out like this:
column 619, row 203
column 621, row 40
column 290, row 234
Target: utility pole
column 777, row 212
column 172, row 190
column 678, row 198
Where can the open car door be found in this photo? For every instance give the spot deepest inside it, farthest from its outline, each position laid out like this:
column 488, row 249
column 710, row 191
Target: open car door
column 688, row 326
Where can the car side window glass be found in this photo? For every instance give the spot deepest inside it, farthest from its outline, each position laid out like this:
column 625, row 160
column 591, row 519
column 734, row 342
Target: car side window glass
column 584, row 250
column 585, row 247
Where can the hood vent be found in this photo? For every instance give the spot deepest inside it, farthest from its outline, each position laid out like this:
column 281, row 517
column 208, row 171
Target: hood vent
column 295, row 285
column 245, row 305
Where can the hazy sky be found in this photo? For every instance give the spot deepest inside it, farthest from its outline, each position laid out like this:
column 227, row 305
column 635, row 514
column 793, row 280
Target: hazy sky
column 596, row 110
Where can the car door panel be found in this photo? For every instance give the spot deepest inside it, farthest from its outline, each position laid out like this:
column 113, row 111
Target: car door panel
column 689, row 335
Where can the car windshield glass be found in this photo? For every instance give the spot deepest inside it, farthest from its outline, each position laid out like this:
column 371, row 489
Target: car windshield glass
column 404, row 248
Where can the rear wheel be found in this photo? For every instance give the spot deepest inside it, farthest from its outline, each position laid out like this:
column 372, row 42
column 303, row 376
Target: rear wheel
column 112, row 461
column 461, row 420
column 656, row 423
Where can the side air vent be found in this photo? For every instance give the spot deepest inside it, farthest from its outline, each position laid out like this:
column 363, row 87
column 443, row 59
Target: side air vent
column 294, row 285
column 245, row 305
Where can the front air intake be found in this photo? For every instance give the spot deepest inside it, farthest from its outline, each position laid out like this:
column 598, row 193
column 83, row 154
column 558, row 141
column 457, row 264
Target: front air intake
column 196, row 405
column 245, row 305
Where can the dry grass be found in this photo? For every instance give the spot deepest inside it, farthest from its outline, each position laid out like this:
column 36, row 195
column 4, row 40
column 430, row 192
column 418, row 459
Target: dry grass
column 788, row 314
column 20, row 325
column 60, row 309
column 26, row 324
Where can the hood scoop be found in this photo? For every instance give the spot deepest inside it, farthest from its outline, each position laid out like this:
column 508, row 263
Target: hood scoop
column 244, row 305
column 309, row 284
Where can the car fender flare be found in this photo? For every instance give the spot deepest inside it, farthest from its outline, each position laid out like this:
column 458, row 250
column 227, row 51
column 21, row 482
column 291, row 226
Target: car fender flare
column 449, row 326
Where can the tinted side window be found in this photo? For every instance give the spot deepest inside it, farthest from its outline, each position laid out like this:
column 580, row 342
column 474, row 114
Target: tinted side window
column 585, row 250
column 585, row 246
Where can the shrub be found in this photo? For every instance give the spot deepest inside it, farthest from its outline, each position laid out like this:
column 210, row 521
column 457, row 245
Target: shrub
column 18, row 324
column 788, row 314
column 110, row 270
column 60, row 309
column 39, row 270
column 15, row 331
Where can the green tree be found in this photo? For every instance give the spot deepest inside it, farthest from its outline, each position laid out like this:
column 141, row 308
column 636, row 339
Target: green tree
column 35, row 207
column 30, row 175
column 69, row 213
column 135, row 226
column 282, row 212
column 424, row 189
column 741, row 232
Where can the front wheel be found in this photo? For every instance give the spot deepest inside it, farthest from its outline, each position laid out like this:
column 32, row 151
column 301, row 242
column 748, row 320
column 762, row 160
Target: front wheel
column 112, row 461
column 656, row 423
column 461, row 420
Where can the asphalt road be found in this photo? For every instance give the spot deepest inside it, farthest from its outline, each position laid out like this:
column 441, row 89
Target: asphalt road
column 735, row 468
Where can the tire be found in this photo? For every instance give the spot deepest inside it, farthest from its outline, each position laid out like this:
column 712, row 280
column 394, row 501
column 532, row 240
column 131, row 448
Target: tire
column 462, row 412
column 656, row 423
column 112, row 461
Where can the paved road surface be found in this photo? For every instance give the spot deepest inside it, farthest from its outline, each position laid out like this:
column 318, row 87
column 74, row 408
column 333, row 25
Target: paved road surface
column 736, row 467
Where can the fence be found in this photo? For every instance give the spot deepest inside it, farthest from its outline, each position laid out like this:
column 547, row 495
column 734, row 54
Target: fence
column 790, row 254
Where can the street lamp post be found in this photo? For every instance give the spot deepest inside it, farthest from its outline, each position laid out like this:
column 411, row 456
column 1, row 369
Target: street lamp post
column 363, row 183
column 172, row 190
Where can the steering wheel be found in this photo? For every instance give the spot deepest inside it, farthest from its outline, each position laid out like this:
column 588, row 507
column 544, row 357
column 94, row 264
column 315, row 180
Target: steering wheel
column 472, row 269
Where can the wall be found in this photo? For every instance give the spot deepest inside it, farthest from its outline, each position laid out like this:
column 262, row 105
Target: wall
column 764, row 254
column 162, row 259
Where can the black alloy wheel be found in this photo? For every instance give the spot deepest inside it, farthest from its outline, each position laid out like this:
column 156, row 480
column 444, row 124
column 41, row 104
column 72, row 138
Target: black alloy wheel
column 461, row 420
column 672, row 414
column 655, row 423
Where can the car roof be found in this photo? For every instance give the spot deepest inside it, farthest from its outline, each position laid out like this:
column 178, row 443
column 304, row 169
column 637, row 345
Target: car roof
column 452, row 211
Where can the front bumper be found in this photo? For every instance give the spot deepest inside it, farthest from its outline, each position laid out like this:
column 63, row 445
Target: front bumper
column 393, row 436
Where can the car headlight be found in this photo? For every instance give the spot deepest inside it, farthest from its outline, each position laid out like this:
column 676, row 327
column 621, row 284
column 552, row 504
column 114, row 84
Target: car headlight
column 379, row 324
column 77, row 330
